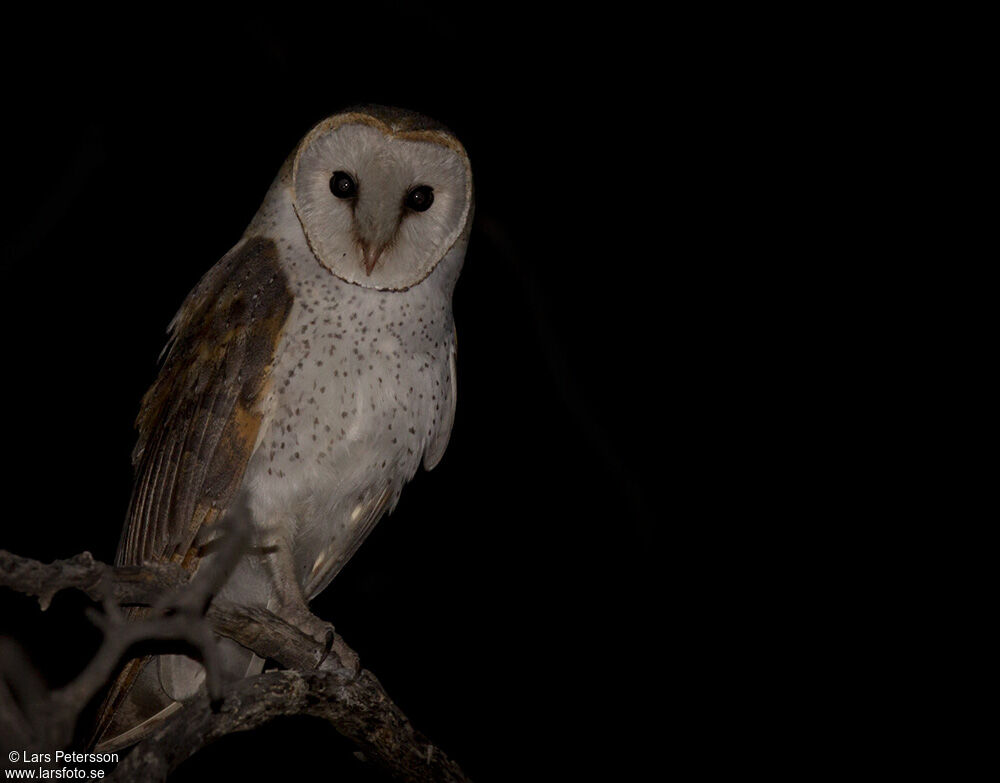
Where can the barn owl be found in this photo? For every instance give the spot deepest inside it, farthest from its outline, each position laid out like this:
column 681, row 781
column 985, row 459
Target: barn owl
column 307, row 376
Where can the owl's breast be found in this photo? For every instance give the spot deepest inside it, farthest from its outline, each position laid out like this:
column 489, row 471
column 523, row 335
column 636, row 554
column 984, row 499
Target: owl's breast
column 358, row 388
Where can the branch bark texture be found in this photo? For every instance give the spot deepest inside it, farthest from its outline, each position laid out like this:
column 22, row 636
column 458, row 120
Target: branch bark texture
column 319, row 682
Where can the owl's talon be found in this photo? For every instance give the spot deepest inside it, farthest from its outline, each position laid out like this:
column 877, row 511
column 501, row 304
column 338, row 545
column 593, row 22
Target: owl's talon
column 336, row 654
column 327, row 646
column 312, row 626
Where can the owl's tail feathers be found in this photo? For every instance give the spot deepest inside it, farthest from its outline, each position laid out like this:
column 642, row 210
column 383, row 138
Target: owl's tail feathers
column 134, row 706
column 153, row 688
column 117, row 695
column 145, row 708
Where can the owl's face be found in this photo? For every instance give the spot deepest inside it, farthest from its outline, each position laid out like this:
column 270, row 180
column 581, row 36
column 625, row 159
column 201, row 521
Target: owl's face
column 382, row 196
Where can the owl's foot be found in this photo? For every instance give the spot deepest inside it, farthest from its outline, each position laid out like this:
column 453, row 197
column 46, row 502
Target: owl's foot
column 340, row 656
column 336, row 654
column 289, row 603
column 309, row 624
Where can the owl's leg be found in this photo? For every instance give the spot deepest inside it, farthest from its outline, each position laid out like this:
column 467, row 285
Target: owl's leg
column 287, row 600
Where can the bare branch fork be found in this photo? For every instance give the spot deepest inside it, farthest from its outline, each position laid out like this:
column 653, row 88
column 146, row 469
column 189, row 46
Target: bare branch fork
column 320, row 682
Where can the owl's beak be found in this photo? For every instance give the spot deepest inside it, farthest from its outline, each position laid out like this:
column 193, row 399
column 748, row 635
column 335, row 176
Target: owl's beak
column 370, row 256
column 376, row 220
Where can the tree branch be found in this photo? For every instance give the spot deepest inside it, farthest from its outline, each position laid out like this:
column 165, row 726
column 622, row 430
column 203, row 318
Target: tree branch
column 328, row 684
column 349, row 704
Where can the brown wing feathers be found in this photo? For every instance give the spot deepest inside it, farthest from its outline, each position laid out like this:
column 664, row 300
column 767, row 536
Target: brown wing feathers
column 199, row 421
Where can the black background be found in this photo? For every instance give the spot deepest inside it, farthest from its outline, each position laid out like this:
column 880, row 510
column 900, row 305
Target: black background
column 515, row 605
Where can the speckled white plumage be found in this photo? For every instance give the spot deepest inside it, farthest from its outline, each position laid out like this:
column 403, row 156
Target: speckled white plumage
column 363, row 390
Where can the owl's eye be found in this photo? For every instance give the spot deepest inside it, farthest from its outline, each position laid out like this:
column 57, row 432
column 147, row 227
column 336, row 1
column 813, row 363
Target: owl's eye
column 342, row 185
column 420, row 198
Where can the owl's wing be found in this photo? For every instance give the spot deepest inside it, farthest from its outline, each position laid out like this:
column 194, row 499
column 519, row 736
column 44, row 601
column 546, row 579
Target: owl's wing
column 435, row 449
column 199, row 421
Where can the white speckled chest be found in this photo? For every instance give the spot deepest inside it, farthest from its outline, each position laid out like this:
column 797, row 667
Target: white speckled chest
column 362, row 390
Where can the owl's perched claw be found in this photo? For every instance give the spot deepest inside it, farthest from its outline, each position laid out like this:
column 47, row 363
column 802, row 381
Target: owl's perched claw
column 309, row 624
column 342, row 656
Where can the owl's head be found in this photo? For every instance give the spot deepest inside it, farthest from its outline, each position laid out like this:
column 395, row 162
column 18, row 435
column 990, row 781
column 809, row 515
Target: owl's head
column 382, row 195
